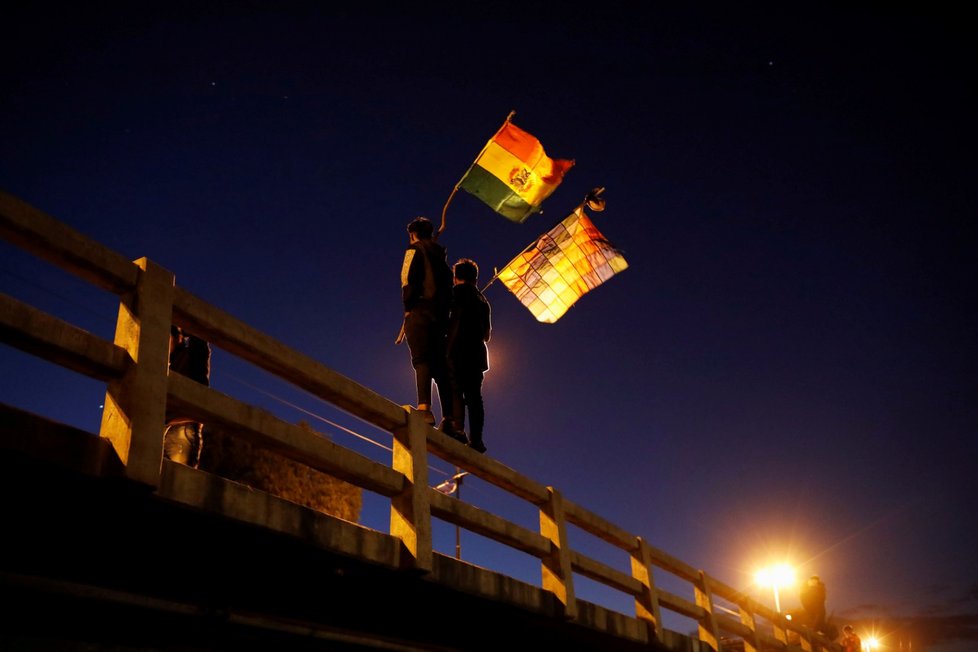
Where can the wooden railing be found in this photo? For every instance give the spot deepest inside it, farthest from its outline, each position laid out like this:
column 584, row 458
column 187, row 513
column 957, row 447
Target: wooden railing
column 139, row 390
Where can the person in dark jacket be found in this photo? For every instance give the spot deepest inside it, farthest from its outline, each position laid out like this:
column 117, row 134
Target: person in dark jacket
column 469, row 329
column 183, row 438
column 813, row 602
column 426, row 292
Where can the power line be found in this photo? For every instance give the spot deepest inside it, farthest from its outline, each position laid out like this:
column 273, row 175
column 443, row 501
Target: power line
column 323, row 419
column 69, row 300
column 308, row 412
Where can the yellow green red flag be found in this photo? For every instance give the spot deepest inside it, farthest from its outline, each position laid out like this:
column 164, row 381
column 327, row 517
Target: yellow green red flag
column 565, row 263
column 513, row 175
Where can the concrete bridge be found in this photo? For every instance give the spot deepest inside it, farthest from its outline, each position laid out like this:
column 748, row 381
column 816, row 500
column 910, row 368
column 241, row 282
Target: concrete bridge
column 103, row 537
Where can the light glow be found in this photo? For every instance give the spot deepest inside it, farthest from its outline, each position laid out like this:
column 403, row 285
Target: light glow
column 777, row 577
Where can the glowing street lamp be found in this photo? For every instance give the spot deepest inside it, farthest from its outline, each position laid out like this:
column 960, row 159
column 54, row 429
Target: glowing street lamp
column 871, row 643
column 454, row 486
column 779, row 576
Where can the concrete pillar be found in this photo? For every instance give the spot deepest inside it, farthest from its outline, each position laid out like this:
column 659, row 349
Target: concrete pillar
column 805, row 639
column 646, row 604
column 411, row 509
column 135, row 405
column 707, row 628
column 751, row 641
column 780, row 633
column 558, row 578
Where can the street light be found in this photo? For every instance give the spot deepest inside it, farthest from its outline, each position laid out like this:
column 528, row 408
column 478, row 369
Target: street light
column 454, row 486
column 778, row 576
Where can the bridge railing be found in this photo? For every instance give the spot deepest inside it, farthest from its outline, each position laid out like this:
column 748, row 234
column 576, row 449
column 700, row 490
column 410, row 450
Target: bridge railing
column 139, row 391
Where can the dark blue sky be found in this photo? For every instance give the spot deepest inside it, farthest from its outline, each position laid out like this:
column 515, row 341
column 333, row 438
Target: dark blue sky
column 788, row 367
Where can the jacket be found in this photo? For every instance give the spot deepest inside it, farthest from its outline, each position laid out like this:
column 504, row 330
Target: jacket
column 426, row 279
column 469, row 328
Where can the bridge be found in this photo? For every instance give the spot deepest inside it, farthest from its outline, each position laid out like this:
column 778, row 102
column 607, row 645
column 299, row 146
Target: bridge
column 104, row 537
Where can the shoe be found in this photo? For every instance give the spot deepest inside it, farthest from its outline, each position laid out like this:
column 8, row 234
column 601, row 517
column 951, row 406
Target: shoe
column 477, row 446
column 448, row 427
column 429, row 417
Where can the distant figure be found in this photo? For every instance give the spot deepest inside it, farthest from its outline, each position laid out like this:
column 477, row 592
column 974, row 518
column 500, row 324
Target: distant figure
column 183, row 437
column 470, row 327
column 426, row 291
column 850, row 640
column 813, row 602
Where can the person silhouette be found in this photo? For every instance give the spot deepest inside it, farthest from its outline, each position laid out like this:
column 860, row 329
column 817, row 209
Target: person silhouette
column 426, row 292
column 813, row 602
column 183, row 438
column 469, row 328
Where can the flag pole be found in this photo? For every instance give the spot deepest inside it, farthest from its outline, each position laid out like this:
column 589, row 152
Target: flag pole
column 444, row 210
column 592, row 200
column 455, row 189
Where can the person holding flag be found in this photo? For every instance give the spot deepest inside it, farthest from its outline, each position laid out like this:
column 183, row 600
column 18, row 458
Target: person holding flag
column 426, row 292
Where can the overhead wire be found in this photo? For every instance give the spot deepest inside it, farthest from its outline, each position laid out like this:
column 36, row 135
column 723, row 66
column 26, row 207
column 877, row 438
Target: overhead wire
column 324, row 419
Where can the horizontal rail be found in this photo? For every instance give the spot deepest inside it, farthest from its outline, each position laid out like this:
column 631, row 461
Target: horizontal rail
column 770, row 641
column 64, row 247
column 488, row 524
column 675, row 566
column 605, row 574
column 728, row 624
column 681, row 606
column 238, row 338
column 47, row 337
column 599, row 527
column 745, row 601
column 488, row 469
column 261, row 427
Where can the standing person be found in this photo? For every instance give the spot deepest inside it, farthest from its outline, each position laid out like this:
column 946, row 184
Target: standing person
column 183, row 438
column 426, row 291
column 813, row 601
column 470, row 327
column 850, row 640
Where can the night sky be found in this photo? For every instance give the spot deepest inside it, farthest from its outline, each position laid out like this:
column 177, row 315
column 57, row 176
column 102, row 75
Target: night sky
column 786, row 371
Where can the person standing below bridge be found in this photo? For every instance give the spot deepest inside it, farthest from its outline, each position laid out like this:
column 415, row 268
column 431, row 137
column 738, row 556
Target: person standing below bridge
column 183, row 438
column 426, row 292
column 470, row 327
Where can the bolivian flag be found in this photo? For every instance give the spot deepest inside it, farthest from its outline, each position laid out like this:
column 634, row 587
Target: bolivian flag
column 513, row 175
column 565, row 263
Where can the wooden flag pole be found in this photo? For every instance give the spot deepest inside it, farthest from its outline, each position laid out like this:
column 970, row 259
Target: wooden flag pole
column 455, row 189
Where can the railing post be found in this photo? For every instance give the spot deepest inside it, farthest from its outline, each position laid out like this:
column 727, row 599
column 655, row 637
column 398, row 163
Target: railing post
column 646, row 604
column 751, row 641
column 134, row 415
column 780, row 633
column 805, row 638
column 411, row 509
column 558, row 578
column 707, row 628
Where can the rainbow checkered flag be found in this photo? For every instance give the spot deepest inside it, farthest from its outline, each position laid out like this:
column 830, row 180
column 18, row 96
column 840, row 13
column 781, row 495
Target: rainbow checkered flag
column 564, row 264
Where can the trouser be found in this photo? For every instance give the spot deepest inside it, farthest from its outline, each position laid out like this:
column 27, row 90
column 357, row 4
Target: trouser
column 182, row 443
column 426, row 339
column 467, row 395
